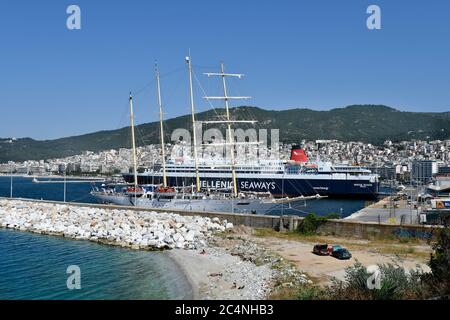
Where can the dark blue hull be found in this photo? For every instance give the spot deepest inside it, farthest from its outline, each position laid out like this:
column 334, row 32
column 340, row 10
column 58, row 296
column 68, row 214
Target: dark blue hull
column 278, row 187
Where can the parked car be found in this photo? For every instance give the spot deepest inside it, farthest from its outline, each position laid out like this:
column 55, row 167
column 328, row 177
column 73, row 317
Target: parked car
column 334, row 248
column 321, row 249
column 341, row 254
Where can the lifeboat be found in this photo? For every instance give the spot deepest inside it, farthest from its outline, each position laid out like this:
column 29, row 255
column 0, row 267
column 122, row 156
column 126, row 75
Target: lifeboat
column 166, row 189
column 135, row 190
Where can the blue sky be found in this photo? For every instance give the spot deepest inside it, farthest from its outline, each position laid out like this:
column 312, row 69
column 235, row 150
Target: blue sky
column 317, row 54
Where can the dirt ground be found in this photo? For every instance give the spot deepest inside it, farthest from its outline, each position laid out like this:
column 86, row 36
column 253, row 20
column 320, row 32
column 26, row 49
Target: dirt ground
column 321, row 269
column 238, row 263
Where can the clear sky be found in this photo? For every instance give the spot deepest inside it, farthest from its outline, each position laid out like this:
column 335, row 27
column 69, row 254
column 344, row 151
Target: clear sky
column 319, row 54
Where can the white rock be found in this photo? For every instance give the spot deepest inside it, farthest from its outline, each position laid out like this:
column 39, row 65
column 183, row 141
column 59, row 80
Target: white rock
column 180, row 244
column 190, row 236
column 168, row 240
column 123, row 227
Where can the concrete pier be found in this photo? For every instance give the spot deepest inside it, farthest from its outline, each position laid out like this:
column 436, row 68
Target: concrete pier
column 387, row 211
column 352, row 227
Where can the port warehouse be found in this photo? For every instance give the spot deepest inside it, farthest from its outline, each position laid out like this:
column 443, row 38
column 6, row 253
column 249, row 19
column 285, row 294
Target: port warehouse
column 334, row 227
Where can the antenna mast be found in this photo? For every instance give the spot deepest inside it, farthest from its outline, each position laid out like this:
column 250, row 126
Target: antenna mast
column 161, row 127
column 197, row 177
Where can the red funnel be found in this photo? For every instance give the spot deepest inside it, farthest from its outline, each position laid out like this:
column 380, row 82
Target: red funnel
column 298, row 154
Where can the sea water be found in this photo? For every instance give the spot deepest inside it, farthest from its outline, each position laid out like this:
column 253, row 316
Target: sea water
column 23, row 187
column 35, row 266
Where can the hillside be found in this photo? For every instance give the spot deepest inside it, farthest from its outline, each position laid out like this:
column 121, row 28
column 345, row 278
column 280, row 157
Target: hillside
column 367, row 123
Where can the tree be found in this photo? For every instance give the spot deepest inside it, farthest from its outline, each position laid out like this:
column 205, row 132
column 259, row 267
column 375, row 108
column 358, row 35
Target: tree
column 439, row 280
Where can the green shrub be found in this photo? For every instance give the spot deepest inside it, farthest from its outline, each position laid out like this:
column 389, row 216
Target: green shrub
column 396, row 283
column 309, row 293
column 312, row 222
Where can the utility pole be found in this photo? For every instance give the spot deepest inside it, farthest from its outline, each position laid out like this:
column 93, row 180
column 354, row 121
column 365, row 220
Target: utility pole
column 11, row 186
column 411, row 197
column 65, row 188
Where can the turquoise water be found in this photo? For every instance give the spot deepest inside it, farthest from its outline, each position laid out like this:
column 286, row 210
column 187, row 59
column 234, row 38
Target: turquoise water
column 34, row 267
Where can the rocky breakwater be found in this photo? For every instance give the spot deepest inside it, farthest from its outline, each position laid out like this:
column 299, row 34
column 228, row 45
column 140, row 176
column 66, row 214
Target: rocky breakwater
column 127, row 228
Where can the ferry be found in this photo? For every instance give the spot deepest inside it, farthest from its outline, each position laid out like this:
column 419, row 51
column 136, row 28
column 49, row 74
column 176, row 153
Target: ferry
column 296, row 177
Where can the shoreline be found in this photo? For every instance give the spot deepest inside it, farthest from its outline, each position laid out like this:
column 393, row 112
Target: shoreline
column 176, row 257
column 212, row 271
column 217, row 274
column 53, row 176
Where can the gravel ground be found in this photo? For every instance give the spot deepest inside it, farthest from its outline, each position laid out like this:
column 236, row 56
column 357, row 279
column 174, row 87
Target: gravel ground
column 230, row 266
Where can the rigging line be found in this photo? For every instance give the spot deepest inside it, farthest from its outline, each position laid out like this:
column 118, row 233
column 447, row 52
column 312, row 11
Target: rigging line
column 123, row 116
column 258, row 125
column 141, row 135
column 204, row 67
column 168, row 101
column 152, row 82
column 126, row 105
column 213, row 106
column 148, row 84
column 220, row 116
column 139, row 91
column 204, row 93
column 179, row 69
column 295, row 209
column 247, row 113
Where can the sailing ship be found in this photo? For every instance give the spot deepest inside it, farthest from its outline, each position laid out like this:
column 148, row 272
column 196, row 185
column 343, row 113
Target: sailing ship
column 296, row 177
column 192, row 198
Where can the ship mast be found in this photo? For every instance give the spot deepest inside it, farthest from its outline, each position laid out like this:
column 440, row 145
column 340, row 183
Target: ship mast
column 161, row 127
column 133, row 143
column 197, row 177
column 226, row 98
column 230, row 135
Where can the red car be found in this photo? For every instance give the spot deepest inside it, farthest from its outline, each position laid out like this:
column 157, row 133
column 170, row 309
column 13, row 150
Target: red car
column 321, row 249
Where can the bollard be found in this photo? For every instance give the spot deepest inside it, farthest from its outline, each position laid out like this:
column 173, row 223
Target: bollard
column 281, row 224
column 291, row 223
